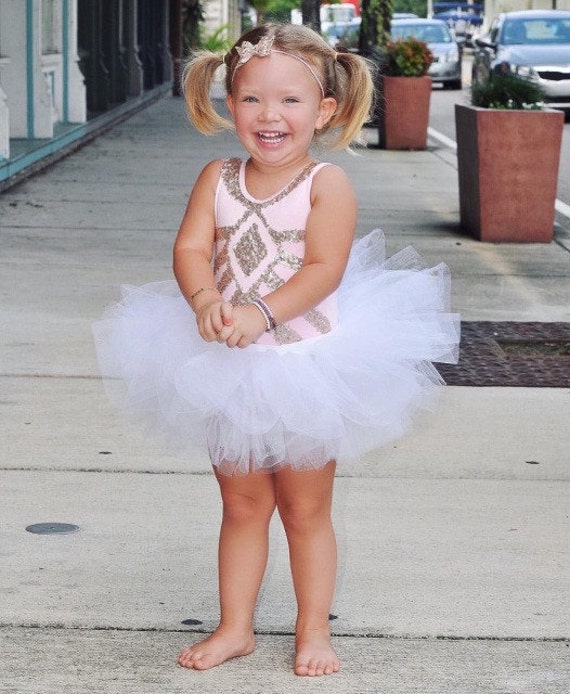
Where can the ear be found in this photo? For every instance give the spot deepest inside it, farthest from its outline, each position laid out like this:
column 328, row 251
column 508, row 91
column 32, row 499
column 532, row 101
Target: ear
column 327, row 108
column 230, row 104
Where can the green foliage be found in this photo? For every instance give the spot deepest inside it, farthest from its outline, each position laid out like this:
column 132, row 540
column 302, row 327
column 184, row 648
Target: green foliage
column 260, row 6
column 375, row 27
column 418, row 7
column 192, row 15
column 280, row 10
column 407, row 58
column 218, row 41
column 384, row 21
column 506, row 90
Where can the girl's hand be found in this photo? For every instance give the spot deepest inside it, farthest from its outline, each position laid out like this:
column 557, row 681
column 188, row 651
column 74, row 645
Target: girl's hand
column 248, row 325
column 215, row 321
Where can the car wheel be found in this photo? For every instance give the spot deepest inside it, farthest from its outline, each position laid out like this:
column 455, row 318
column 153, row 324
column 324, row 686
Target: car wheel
column 456, row 84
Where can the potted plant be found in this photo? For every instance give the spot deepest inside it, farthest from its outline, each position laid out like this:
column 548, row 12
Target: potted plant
column 406, row 94
column 508, row 154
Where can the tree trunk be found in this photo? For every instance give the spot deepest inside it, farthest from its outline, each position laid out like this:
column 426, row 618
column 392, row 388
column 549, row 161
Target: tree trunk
column 374, row 34
column 311, row 12
column 376, row 26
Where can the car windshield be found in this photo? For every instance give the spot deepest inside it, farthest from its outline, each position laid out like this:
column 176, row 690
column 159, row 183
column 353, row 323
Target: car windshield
column 536, row 31
column 335, row 30
column 430, row 33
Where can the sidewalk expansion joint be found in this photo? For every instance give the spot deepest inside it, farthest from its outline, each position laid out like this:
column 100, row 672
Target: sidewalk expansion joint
column 111, row 471
column 284, row 632
column 62, row 377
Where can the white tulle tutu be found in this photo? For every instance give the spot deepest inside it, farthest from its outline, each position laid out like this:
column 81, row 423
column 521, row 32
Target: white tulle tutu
column 333, row 397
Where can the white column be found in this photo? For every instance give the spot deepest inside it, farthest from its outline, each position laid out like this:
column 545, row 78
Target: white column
column 39, row 97
column 75, row 91
column 51, row 23
column 13, row 51
column 4, row 122
column 4, row 107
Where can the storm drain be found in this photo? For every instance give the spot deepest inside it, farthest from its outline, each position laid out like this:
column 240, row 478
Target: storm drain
column 529, row 355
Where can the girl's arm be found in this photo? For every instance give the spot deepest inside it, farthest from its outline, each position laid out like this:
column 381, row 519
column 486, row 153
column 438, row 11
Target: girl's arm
column 329, row 236
column 192, row 258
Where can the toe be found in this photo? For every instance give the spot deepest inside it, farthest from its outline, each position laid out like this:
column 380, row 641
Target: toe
column 301, row 669
column 189, row 659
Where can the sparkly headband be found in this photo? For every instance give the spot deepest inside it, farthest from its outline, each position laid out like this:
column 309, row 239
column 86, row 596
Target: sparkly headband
column 262, row 49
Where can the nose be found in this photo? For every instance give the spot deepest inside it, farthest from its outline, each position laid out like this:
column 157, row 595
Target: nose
column 269, row 113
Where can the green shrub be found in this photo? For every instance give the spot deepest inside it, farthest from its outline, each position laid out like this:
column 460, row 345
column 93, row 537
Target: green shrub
column 505, row 90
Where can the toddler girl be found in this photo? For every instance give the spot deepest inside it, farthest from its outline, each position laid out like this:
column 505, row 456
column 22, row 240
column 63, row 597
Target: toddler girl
column 282, row 346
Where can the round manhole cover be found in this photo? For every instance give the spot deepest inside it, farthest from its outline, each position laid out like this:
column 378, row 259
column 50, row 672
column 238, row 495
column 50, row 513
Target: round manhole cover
column 52, row 528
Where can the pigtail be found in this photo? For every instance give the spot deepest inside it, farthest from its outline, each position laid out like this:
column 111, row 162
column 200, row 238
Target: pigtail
column 197, row 78
column 354, row 93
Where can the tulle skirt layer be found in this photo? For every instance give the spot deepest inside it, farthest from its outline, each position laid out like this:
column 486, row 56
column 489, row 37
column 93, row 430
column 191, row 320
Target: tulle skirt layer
column 263, row 408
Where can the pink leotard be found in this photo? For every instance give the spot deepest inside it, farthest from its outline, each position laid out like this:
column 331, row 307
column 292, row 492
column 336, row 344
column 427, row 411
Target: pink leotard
column 260, row 244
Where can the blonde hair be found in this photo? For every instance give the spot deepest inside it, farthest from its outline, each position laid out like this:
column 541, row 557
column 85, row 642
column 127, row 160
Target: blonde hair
column 345, row 77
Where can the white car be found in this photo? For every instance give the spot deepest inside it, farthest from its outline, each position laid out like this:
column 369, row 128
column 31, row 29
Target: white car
column 534, row 44
column 447, row 52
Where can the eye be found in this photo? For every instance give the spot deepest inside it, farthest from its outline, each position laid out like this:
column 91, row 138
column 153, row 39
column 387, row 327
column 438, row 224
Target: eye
column 291, row 100
column 250, row 99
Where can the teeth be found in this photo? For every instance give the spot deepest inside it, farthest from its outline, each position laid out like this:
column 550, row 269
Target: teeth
column 271, row 137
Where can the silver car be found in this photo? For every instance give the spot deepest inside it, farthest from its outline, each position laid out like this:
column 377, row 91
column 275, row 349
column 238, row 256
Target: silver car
column 447, row 52
column 534, row 44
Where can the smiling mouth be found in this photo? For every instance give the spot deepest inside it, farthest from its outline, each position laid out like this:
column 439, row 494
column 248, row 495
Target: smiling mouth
column 271, row 138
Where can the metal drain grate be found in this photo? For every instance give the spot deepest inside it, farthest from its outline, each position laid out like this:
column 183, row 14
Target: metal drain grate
column 529, row 355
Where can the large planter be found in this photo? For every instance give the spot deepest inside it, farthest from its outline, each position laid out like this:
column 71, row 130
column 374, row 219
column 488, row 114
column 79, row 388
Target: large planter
column 406, row 112
column 508, row 172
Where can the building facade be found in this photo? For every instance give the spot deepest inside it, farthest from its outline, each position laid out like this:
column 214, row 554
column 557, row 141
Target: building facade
column 495, row 7
column 224, row 13
column 69, row 66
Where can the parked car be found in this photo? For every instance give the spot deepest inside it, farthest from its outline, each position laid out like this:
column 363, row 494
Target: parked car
column 534, row 44
column 335, row 32
column 447, row 52
column 343, row 35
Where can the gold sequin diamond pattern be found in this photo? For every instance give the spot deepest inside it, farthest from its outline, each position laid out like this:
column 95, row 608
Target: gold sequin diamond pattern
column 250, row 250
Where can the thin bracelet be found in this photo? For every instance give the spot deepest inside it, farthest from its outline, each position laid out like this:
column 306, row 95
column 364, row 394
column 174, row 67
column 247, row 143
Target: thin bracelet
column 265, row 316
column 264, row 308
column 202, row 289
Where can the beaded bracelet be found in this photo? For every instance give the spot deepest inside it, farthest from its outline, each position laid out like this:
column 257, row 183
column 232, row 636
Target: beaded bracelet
column 266, row 312
column 202, row 289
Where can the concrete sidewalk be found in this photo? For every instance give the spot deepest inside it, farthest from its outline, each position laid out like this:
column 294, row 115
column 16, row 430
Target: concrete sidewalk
column 454, row 543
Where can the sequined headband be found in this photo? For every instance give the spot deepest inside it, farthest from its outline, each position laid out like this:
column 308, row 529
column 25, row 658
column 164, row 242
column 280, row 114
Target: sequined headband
column 262, row 49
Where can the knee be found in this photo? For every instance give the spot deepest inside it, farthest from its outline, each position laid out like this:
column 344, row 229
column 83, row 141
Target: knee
column 242, row 508
column 303, row 517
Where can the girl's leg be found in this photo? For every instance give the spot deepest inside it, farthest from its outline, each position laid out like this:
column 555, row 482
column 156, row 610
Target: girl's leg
column 304, row 501
column 248, row 504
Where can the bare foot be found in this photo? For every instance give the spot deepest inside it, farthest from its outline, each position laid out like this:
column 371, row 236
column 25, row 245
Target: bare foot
column 222, row 645
column 315, row 655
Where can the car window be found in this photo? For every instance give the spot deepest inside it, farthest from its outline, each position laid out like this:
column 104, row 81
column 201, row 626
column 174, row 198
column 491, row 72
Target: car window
column 430, row 33
column 536, row 31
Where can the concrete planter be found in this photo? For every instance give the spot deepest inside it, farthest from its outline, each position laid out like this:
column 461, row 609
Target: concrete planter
column 406, row 114
column 508, row 172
